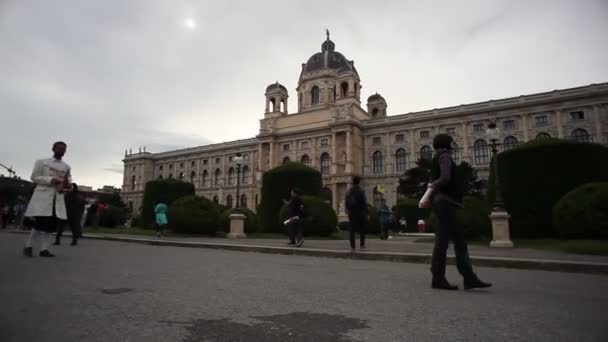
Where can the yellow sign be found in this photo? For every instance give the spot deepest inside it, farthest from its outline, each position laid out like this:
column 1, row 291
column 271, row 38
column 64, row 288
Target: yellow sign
column 380, row 189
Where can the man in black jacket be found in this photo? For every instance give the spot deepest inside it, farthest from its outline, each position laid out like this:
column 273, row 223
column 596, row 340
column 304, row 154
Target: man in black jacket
column 356, row 208
column 294, row 227
column 448, row 191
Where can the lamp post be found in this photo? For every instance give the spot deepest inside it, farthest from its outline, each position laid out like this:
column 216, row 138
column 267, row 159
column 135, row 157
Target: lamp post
column 499, row 216
column 238, row 160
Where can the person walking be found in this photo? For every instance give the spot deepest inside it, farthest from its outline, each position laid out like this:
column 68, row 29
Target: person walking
column 295, row 207
column 161, row 220
column 386, row 220
column 447, row 191
column 356, row 209
column 52, row 178
column 74, row 203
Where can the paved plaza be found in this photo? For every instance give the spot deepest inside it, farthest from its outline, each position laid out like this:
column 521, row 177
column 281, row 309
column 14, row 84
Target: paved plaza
column 114, row 291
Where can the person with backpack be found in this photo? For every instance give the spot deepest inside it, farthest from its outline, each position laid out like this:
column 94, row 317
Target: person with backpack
column 356, row 209
column 386, row 220
column 296, row 213
column 446, row 193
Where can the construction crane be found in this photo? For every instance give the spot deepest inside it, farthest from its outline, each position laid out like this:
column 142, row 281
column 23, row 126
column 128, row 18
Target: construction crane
column 10, row 170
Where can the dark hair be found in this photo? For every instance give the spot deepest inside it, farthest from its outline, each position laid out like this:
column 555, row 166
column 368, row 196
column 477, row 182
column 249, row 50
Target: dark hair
column 356, row 180
column 75, row 187
column 59, row 143
column 442, row 141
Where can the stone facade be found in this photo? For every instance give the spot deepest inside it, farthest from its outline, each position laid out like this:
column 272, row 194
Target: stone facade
column 333, row 133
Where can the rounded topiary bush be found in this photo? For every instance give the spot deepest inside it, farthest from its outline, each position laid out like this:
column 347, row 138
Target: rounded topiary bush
column 250, row 222
column 113, row 216
column 373, row 221
column 408, row 209
column 193, row 215
column 535, row 176
column 276, row 186
column 167, row 190
column 320, row 220
column 583, row 212
column 344, row 226
column 474, row 218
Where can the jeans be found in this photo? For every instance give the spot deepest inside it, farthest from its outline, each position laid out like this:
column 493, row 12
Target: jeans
column 448, row 230
column 295, row 231
column 357, row 223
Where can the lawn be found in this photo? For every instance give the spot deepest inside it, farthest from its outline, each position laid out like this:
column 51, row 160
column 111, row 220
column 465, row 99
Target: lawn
column 591, row 247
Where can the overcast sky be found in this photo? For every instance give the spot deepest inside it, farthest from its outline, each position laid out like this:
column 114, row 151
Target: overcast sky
column 114, row 74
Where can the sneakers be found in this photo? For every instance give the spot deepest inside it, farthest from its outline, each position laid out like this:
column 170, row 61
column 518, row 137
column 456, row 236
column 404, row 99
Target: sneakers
column 46, row 253
column 475, row 284
column 289, row 243
column 443, row 284
column 27, row 251
column 300, row 243
column 74, row 242
column 364, row 249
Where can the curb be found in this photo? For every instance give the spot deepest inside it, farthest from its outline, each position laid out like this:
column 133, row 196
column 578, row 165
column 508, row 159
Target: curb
column 417, row 258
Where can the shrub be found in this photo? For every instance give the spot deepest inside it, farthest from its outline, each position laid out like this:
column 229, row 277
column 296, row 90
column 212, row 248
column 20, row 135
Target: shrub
column 321, row 219
column 113, row 216
column 193, row 215
column 473, row 218
column 344, row 226
column 167, row 190
column 136, row 221
column 534, row 176
column 583, row 212
column 408, row 208
column 276, row 185
column 250, row 221
column 373, row 221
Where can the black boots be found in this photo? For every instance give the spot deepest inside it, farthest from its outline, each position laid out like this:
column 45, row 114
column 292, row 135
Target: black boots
column 74, row 242
column 475, row 283
column 442, row 284
column 46, row 253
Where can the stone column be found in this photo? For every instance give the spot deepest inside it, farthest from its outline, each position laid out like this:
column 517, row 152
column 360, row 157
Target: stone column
column 334, row 197
column 271, row 154
column 349, row 165
column 465, row 141
column 500, row 229
column 388, row 160
column 524, row 119
column 597, row 122
column 558, row 121
column 313, row 156
column 413, row 153
column 237, row 226
column 267, row 105
column 334, row 152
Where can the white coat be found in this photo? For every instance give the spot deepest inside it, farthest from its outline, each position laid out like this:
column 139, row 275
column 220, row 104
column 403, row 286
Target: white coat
column 41, row 203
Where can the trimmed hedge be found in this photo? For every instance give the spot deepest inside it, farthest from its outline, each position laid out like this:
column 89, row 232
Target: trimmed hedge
column 583, row 212
column 276, row 186
column 536, row 175
column 408, row 208
column 193, row 215
column 321, row 218
column 113, row 216
column 373, row 221
column 250, row 222
column 167, row 190
column 474, row 218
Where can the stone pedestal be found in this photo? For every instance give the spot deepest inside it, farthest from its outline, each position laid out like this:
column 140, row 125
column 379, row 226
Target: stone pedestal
column 500, row 230
column 237, row 226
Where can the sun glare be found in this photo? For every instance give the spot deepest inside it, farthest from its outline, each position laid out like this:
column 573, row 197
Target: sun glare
column 190, row 23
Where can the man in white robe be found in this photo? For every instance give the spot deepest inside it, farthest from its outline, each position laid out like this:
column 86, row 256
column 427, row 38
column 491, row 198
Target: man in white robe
column 47, row 206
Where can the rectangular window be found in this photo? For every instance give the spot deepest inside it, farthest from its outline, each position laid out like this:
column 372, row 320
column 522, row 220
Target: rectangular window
column 160, row 168
column 450, row 131
column 577, row 116
column 218, row 160
column 508, row 124
column 400, row 138
column 205, row 162
column 478, row 128
column 193, row 164
column 286, row 147
column 181, row 165
column 170, row 166
column 324, row 142
column 541, row 120
column 230, row 158
column 425, row 134
column 376, row 140
column 304, row 145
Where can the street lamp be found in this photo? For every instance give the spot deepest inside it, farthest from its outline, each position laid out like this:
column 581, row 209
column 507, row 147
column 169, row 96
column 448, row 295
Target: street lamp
column 238, row 160
column 499, row 217
column 493, row 135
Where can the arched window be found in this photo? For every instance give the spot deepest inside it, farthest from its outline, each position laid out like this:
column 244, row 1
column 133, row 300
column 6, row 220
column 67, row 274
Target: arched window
column 192, row 176
column 160, row 176
column 181, row 176
column 246, row 175
column 314, row 95
column 215, row 199
column 426, row 152
column 133, row 182
column 374, row 112
column 400, row 195
column 216, row 177
column 580, row 135
column 231, row 176
column 283, row 105
column 286, row 160
column 481, row 155
column 377, row 197
column 401, row 160
column 243, row 201
column 273, row 104
column 325, row 164
column 377, row 162
column 344, row 89
column 456, row 153
column 204, row 180
column 509, row 143
column 229, row 201
column 543, row 135
column 170, row 176
column 305, row 160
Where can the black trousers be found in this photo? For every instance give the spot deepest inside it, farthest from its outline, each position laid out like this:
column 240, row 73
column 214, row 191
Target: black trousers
column 74, row 227
column 449, row 230
column 357, row 223
column 295, row 231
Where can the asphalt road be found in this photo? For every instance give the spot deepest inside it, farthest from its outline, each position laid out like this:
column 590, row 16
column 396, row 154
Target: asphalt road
column 112, row 291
